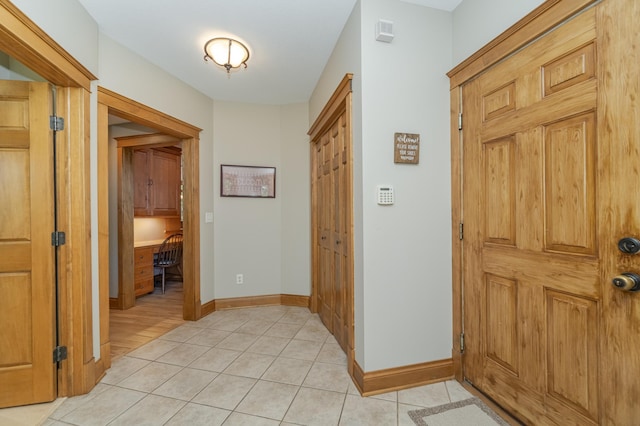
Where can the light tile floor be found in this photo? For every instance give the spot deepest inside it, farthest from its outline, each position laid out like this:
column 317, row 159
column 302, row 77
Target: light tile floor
column 274, row 365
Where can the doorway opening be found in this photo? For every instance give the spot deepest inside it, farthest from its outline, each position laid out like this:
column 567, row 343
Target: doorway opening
column 187, row 137
column 145, row 174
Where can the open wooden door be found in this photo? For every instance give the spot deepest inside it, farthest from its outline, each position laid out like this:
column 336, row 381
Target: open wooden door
column 27, row 283
column 550, row 163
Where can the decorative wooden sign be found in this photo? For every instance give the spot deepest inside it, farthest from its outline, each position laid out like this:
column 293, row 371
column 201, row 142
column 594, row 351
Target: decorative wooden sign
column 407, row 148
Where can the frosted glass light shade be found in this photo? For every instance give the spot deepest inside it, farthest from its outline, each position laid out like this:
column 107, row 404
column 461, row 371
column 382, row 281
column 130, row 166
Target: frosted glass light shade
column 226, row 52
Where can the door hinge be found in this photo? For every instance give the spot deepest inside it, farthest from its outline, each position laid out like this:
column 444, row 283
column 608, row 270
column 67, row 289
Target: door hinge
column 58, row 238
column 460, row 121
column 56, row 123
column 462, row 342
column 59, row 353
column 461, row 230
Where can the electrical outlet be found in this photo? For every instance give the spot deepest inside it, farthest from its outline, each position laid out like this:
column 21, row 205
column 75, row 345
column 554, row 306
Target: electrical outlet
column 239, row 278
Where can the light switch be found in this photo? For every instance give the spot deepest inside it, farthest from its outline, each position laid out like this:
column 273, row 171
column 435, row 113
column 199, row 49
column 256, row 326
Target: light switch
column 208, row 217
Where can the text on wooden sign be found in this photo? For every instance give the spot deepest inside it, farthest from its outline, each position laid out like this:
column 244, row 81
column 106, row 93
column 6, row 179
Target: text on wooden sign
column 406, row 148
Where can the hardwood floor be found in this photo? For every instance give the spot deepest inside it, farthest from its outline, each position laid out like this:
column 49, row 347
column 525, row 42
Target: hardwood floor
column 153, row 315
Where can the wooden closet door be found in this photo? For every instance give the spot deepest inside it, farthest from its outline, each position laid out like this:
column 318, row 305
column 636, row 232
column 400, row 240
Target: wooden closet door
column 326, row 300
column 334, row 230
column 340, row 230
column 332, row 217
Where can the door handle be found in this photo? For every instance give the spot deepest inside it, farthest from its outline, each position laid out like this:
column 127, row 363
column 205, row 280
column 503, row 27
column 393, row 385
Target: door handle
column 629, row 245
column 627, row 281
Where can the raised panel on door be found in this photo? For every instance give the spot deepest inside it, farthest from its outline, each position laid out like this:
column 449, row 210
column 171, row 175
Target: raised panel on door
column 326, row 236
column 340, row 232
column 165, row 184
column 27, row 285
column 316, row 223
column 531, row 267
column 570, row 209
column 572, row 353
column 141, row 181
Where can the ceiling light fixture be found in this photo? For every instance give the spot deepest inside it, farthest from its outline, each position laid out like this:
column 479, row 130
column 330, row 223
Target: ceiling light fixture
column 226, row 52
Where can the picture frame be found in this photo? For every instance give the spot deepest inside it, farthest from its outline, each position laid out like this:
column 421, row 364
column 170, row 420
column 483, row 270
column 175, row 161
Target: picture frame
column 247, row 181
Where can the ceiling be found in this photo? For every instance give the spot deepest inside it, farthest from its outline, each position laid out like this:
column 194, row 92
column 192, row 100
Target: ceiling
column 290, row 41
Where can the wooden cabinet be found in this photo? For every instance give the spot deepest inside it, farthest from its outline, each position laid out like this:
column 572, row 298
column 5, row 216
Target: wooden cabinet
column 141, row 180
column 143, row 270
column 156, row 182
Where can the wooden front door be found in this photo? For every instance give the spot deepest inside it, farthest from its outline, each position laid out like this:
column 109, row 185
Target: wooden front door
column 550, row 154
column 27, row 285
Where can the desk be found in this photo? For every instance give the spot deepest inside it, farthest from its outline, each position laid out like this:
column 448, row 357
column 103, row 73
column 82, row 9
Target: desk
column 143, row 252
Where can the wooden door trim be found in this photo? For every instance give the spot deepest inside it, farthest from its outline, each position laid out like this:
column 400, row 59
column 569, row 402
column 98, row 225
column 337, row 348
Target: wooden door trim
column 103, row 242
column 456, row 229
column 153, row 141
column 126, row 297
column 333, row 107
column 141, row 114
column 21, row 38
column 112, row 103
column 75, row 284
column 542, row 19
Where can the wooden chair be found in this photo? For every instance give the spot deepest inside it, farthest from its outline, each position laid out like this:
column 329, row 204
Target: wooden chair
column 169, row 255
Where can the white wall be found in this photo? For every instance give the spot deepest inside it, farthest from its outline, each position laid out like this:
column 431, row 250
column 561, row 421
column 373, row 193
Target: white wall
column 477, row 22
column 402, row 252
column 407, row 246
column 295, row 185
column 344, row 59
column 265, row 239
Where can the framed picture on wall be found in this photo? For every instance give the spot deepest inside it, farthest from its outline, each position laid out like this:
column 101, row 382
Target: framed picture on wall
column 247, row 181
